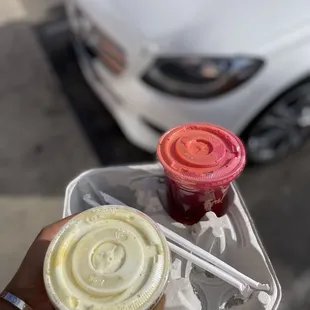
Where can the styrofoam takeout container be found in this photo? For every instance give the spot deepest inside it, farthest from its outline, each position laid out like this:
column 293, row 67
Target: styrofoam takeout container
column 232, row 238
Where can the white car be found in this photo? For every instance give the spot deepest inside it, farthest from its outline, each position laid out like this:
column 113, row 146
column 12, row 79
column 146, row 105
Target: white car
column 244, row 65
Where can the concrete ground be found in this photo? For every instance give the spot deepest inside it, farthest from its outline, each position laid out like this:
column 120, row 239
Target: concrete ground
column 49, row 115
column 42, row 146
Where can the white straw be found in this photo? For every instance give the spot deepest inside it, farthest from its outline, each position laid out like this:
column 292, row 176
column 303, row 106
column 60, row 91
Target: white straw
column 244, row 289
column 111, row 200
column 93, row 203
column 212, row 259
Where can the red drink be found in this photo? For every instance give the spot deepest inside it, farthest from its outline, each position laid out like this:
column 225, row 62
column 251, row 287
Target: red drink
column 200, row 161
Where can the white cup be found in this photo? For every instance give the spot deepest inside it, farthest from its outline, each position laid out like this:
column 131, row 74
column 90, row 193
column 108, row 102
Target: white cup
column 109, row 257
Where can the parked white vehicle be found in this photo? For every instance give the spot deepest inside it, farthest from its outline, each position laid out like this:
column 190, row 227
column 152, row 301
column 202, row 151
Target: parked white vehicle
column 244, row 65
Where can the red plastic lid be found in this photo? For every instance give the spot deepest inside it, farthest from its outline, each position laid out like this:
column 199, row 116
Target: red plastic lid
column 201, row 153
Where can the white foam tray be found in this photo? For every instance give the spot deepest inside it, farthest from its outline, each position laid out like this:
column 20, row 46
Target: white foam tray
column 232, row 238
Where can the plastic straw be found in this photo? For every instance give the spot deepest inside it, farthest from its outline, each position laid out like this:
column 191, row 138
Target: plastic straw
column 212, row 259
column 87, row 198
column 244, row 289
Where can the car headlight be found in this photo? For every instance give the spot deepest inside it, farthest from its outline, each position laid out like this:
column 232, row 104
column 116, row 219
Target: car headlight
column 200, row 77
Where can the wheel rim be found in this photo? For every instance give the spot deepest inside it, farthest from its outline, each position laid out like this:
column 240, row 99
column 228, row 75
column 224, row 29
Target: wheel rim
column 281, row 129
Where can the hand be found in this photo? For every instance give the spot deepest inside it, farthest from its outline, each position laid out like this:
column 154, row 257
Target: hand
column 28, row 284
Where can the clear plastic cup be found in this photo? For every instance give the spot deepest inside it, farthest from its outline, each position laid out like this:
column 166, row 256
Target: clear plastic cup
column 200, row 161
column 110, row 257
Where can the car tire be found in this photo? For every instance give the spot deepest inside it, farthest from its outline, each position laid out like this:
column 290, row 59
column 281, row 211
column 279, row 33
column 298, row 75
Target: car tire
column 281, row 128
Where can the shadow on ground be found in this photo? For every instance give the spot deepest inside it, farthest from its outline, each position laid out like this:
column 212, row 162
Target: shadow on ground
column 104, row 134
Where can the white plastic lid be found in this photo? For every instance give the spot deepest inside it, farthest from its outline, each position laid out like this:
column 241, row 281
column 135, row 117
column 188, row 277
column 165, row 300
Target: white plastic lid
column 110, row 257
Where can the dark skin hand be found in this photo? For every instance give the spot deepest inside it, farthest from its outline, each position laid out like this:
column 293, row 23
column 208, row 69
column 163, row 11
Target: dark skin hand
column 27, row 284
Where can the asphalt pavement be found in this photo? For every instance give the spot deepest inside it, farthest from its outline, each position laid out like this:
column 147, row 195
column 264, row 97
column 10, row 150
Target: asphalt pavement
column 42, row 146
column 277, row 194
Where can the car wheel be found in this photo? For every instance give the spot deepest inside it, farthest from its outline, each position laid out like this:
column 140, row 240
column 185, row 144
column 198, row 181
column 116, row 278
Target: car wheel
column 283, row 127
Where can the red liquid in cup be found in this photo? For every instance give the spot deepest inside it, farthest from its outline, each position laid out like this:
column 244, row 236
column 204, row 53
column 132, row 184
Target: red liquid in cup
column 200, row 161
column 180, row 199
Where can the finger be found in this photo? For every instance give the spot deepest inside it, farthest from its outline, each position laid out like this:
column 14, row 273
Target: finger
column 48, row 232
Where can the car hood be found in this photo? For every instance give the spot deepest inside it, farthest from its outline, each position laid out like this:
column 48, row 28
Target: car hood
column 210, row 26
